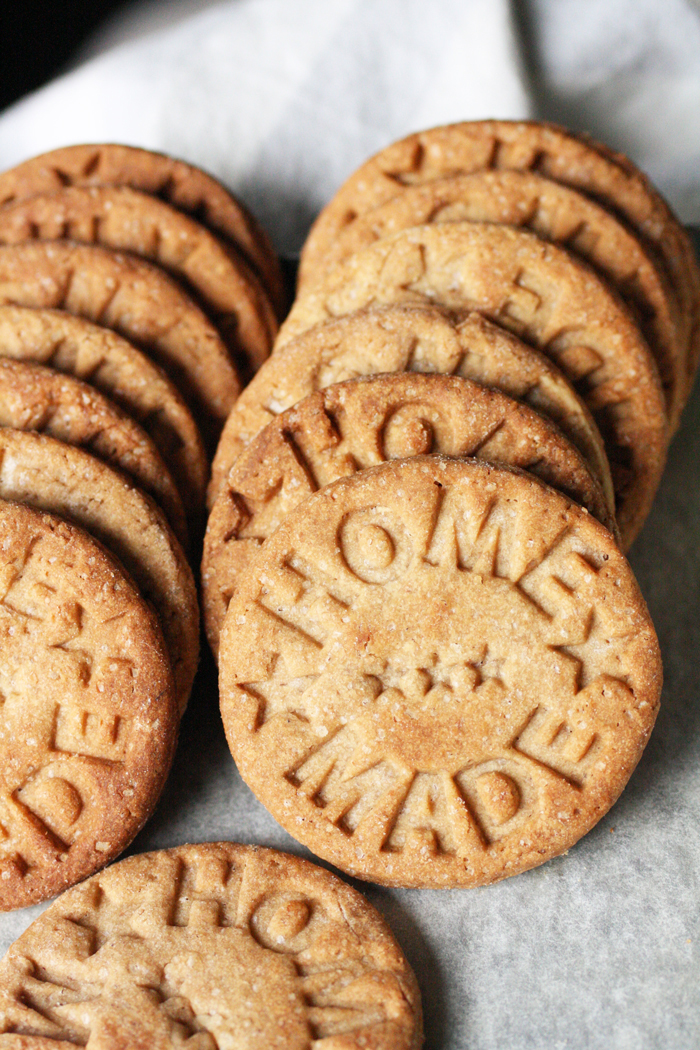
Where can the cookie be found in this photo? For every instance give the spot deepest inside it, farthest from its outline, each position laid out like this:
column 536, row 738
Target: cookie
column 88, row 719
column 135, row 299
column 552, row 151
column 555, row 213
column 112, row 365
column 438, row 673
column 547, row 297
column 408, row 338
column 51, row 476
column 357, row 424
column 126, row 220
column 36, row 398
column 206, row 946
column 185, row 187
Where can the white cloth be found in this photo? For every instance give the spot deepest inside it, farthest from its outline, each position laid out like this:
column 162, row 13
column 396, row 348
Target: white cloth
column 282, row 100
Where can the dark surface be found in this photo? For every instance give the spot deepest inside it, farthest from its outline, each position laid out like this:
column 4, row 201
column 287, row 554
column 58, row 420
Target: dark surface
column 40, row 36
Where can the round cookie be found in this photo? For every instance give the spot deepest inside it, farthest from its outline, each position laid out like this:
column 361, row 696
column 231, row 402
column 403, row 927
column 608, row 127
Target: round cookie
column 185, row 187
column 211, row 945
column 357, row 424
column 135, row 299
column 408, row 338
column 126, row 220
column 36, row 398
column 438, row 673
column 546, row 296
column 130, row 379
column 552, row 151
column 555, row 213
column 88, row 719
column 48, row 475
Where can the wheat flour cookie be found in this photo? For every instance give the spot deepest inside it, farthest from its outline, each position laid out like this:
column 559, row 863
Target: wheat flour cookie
column 438, row 673
column 546, row 296
column 181, row 185
column 676, row 249
column 88, row 718
column 409, row 338
column 126, row 376
column 36, row 398
column 357, row 424
column 550, row 151
column 135, row 299
column 51, row 476
column 556, row 213
column 206, row 946
column 123, row 219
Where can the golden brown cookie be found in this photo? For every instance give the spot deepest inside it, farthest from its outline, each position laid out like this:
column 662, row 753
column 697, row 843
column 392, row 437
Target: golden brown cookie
column 210, row 946
column 112, row 365
column 185, row 187
column 677, row 250
column 551, row 300
column 36, row 398
column 555, row 213
column 552, row 151
column 408, row 338
column 135, row 299
column 88, row 719
column 48, row 475
column 123, row 219
column 357, row 424
column 438, row 673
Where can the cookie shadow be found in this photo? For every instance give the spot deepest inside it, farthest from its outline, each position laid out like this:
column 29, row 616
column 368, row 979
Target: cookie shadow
column 666, row 561
column 202, row 762
column 424, row 962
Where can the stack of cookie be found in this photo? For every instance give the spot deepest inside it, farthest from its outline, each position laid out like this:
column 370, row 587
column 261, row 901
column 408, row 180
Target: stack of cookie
column 436, row 667
column 136, row 296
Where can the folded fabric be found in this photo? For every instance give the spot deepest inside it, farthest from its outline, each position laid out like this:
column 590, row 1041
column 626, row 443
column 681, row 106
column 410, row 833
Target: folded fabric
column 283, row 100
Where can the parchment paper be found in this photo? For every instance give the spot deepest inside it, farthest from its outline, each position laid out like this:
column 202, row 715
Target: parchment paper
column 598, row 949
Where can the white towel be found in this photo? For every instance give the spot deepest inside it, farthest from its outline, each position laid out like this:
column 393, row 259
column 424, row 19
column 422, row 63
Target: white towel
column 282, row 100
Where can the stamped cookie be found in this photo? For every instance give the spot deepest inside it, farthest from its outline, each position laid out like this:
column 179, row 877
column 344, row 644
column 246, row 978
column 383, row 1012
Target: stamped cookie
column 48, row 475
column 135, row 299
column 36, row 398
column 112, row 365
column 408, row 338
column 438, row 673
column 206, row 946
column 88, row 719
column 552, row 151
column 126, row 220
column 546, row 296
column 556, row 213
column 185, row 187
column 357, row 424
